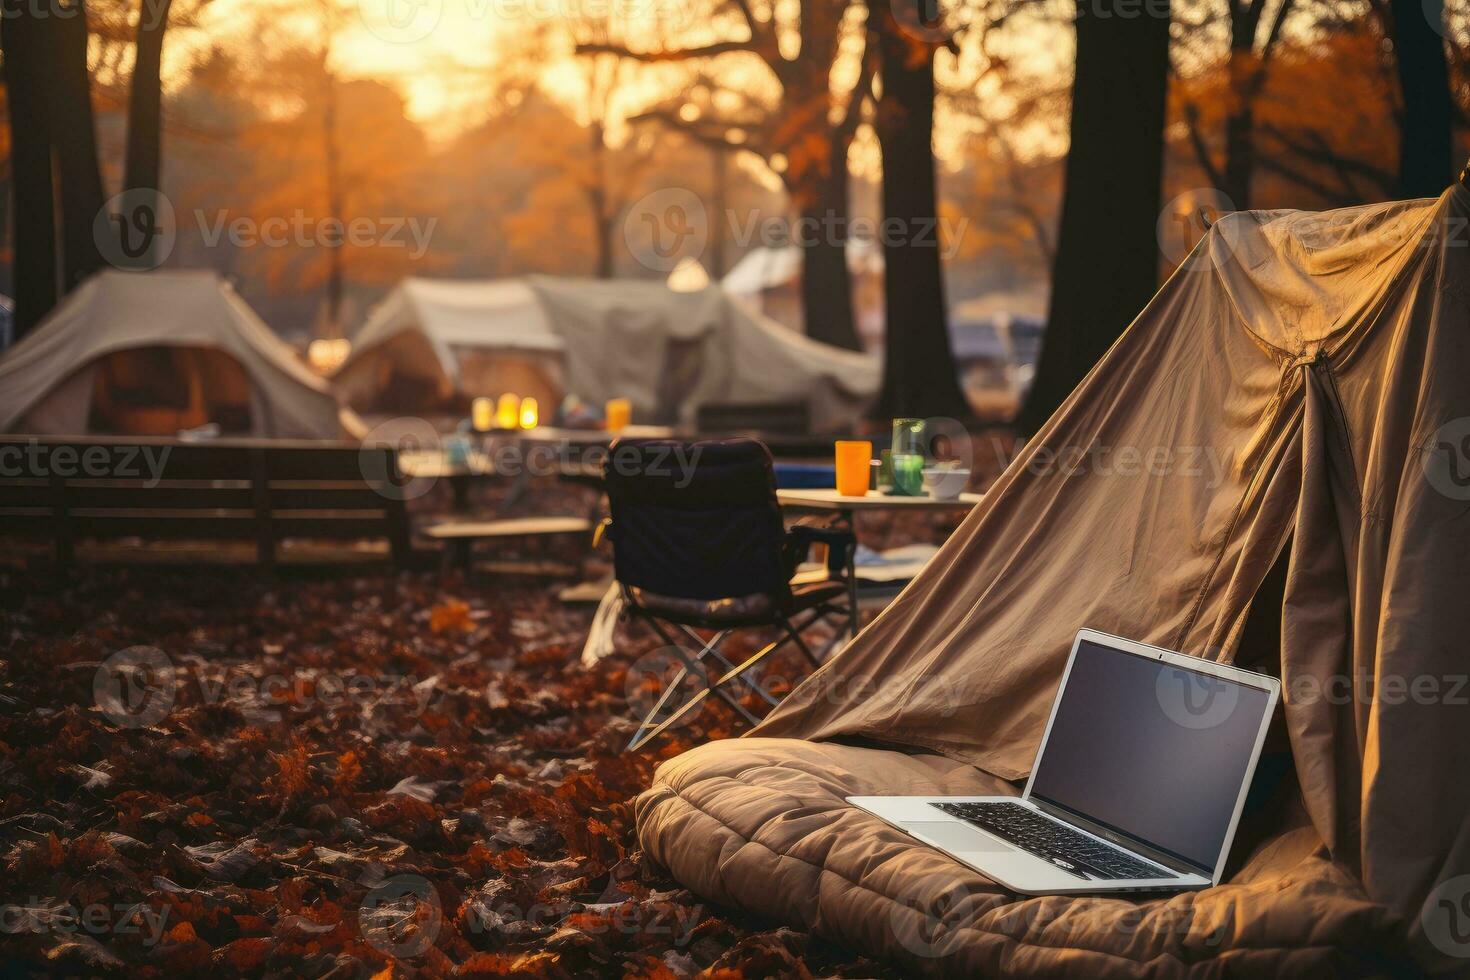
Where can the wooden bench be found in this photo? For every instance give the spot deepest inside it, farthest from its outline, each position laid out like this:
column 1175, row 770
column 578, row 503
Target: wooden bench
column 459, row 538
column 264, row 491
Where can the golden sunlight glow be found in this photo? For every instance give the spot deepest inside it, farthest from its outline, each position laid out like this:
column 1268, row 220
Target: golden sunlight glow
column 450, row 58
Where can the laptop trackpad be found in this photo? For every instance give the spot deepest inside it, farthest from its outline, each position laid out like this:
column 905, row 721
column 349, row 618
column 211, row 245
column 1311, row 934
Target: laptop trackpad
column 955, row 836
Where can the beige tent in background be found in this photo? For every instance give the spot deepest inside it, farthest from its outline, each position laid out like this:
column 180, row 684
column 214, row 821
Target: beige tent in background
column 153, row 353
column 432, row 345
column 1271, row 467
column 670, row 352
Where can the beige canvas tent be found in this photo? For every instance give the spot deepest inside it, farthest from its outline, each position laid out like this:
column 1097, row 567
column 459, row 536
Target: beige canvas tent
column 443, row 342
column 432, row 345
column 158, row 352
column 1270, row 467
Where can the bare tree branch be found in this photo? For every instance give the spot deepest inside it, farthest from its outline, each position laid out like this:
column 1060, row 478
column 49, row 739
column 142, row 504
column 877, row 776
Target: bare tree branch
column 1272, row 37
column 1337, row 198
column 1315, row 149
column 758, row 29
column 1201, row 151
column 709, row 134
column 665, row 55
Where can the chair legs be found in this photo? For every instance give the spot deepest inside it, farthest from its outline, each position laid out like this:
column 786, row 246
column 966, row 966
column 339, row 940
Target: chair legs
column 651, row 726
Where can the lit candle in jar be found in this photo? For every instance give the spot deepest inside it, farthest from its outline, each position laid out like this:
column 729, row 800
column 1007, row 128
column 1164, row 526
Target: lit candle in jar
column 482, row 414
column 508, row 411
column 529, row 415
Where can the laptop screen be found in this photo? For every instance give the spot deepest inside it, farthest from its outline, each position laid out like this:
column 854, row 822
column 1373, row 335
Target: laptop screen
column 1150, row 749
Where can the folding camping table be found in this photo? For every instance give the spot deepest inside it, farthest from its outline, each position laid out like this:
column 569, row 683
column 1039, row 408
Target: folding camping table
column 829, row 501
column 435, row 464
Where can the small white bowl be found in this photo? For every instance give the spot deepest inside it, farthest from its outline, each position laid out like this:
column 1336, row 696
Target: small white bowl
column 945, row 482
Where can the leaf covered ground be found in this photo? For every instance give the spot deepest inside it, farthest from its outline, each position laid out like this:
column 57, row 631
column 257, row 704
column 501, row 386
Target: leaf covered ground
column 213, row 773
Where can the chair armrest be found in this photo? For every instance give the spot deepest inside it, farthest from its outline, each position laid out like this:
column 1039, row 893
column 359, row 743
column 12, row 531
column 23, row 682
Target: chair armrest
column 839, row 542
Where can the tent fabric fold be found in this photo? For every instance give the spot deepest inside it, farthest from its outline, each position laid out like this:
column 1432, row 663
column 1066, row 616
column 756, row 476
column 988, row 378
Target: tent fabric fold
column 1295, row 392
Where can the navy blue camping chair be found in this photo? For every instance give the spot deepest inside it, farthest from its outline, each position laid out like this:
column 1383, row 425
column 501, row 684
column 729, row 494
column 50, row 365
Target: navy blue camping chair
column 699, row 544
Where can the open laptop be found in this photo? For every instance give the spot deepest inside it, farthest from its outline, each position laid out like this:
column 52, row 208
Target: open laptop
column 1138, row 784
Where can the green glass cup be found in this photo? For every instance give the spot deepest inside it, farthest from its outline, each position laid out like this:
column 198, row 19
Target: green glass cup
column 908, row 437
column 908, row 475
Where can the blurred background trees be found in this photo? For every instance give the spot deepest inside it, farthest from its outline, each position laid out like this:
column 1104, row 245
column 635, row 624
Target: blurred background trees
column 531, row 138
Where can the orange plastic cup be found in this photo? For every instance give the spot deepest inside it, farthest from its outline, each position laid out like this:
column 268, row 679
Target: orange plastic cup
column 619, row 413
column 854, row 467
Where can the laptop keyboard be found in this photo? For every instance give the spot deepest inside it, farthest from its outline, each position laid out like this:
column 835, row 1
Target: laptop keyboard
column 1051, row 841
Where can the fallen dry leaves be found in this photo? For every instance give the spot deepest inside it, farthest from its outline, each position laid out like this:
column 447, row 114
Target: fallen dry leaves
column 356, row 777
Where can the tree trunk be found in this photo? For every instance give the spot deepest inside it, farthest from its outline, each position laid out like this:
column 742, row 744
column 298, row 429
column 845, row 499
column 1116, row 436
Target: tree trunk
column 602, row 224
column 74, row 142
column 1240, row 120
column 1245, row 76
column 143, row 156
column 1240, row 157
column 142, row 165
column 1107, row 253
column 1426, row 148
column 826, row 284
column 718, row 203
column 597, row 198
column 920, row 378
column 336, row 286
column 34, row 230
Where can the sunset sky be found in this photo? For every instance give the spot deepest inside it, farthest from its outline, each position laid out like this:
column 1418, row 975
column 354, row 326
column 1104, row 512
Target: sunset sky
column 442, row 53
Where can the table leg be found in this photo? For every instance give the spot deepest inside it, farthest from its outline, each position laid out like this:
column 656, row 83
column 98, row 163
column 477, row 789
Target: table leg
column 518, row 487
column 852, row 583
column 459, row 486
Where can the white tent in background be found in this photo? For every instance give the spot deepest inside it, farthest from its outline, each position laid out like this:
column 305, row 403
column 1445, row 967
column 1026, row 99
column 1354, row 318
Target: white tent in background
column 432, row 344
column 153, row 353
column 769, row 280
column 670, row 352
